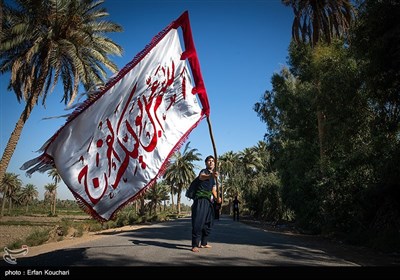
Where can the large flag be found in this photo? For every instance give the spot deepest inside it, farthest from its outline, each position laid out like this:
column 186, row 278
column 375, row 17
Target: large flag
column 117, row 143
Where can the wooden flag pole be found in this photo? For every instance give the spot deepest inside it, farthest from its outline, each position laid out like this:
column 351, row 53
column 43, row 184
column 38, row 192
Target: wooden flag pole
column 215, row 151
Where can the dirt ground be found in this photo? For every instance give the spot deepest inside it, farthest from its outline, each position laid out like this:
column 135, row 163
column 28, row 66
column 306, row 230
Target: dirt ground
column 12, row 233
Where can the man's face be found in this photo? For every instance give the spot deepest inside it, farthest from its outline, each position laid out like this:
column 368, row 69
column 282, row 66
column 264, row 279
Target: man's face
column 210, row 163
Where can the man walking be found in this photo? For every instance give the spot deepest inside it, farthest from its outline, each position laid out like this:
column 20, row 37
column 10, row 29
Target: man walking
column 236, row 203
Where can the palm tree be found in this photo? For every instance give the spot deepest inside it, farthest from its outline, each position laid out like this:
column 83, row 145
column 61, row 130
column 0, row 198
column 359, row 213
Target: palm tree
column 142, row 209
column 316, row 21
column 53, row 173
column 14, row 197
column 251, row 166
column 180, row 171
column 226, row 168
column 9, row 182
column 173, row 190
column 28, row 194
column 51, row 195
column 44, row 41
column 265, row 155
column 251, row 160
column 164, row 196
column 157, row 193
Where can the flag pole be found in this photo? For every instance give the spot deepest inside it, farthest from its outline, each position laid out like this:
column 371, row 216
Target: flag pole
column 215, row 151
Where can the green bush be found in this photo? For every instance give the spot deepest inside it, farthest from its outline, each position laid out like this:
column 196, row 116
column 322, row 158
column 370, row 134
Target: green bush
column 38, row 237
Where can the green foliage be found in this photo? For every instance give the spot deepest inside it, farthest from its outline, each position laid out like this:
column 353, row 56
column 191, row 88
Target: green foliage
column 92, row 226
column 342, row 176
column 126, row 217
column 38, row 237
column 180, row 172
column 265, row 200
column 16, row 244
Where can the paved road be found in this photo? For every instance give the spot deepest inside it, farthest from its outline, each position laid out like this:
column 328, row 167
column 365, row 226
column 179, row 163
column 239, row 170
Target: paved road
column 168, row 245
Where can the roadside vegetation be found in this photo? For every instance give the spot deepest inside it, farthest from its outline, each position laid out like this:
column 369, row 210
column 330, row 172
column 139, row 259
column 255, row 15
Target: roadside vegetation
column 70, row 221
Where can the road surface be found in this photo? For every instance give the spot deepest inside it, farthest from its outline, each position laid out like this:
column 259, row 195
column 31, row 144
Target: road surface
column 235, row 247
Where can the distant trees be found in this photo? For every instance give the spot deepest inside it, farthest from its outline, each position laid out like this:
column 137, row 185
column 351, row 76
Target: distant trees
column 28, row 194
column 50, row 196
column 10, row 185
column 156, row 195
column 180, row 172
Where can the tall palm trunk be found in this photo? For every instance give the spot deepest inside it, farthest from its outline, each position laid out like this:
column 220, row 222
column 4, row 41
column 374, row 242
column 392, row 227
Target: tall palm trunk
column 3, row 202
column 9, row 205
column 172, row 199
column 13, row 140
column 16, row 134
column 155, row 209
column 54, row 203
column 178, row 202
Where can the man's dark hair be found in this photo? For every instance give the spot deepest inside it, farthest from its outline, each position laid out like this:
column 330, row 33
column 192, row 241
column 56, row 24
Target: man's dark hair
column 207, row 158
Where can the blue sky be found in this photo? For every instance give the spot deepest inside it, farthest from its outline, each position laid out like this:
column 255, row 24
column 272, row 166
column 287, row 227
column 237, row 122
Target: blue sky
column 240, row 44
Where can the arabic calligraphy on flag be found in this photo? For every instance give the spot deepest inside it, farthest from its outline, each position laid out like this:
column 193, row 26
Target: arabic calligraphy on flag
column 117, row 144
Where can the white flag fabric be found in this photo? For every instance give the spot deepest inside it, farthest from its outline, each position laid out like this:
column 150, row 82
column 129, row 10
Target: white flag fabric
column 117, row 144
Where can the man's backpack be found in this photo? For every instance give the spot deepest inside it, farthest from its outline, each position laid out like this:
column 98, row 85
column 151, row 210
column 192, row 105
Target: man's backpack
column 193, row 187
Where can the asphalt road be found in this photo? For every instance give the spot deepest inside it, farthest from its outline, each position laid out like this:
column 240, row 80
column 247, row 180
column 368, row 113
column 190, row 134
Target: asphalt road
column 235, row 247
